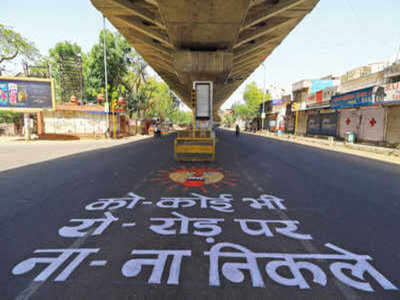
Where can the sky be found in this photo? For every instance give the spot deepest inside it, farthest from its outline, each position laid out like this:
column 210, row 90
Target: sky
column 337, row 36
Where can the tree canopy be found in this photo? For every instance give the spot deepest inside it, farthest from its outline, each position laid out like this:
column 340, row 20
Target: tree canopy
column 14, row 45
column 253, row 97
column 127, row 73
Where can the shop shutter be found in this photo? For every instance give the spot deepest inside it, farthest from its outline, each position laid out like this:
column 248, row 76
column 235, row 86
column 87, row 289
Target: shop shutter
column 329, row 124
column 372, row 124
column 314, row 124
column 349, row 122
column 393, row 125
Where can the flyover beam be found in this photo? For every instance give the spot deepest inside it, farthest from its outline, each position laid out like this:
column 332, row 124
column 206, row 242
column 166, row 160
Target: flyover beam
column 266, row 11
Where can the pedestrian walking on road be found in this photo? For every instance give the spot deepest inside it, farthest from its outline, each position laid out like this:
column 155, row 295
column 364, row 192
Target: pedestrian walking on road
column 237, row 132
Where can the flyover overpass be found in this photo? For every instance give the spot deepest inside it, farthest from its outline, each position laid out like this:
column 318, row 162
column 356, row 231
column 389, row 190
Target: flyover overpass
column 223, row 41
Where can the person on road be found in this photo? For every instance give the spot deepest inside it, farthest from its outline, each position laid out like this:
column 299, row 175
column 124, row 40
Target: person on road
column 155, row 130
column 237, row 132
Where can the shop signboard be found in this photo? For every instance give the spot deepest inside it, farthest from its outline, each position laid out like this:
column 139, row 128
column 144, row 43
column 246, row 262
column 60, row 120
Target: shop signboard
column 328, row 93
column 311, row 98
column 392, row 92
column 276, row 105
column 319, row 96
column 358, row 98
column 320, row 84
column 26, row 94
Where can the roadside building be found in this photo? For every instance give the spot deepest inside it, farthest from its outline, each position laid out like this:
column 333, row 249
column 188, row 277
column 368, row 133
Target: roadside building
column 322, row 120
column 75, row 121
column 278, row 116
column 391, row 102
column 361, row 113
column 300, row 92
column 314, row 114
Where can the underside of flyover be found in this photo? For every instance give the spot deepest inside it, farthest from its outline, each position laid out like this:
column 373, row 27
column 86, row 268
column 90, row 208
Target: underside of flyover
column 223, row 41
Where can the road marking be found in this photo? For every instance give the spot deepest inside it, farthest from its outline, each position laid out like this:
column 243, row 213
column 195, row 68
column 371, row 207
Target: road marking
column 347, row 293
column 133, row 224
column 35, row 285
column 98, row 263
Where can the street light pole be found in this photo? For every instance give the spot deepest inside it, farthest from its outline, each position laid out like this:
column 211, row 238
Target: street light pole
column 105, row 73
column 263, row 103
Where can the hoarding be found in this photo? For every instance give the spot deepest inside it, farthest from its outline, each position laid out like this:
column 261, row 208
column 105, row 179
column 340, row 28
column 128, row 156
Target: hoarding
column 358, row 98
column 319, row 96
column 311, row 98
column 203, row 93
column 26, row 94
column 392, row 92
column 320, row 84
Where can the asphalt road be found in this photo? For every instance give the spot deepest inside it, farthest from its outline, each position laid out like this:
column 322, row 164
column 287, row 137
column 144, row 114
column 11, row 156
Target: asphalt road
column 350, row 202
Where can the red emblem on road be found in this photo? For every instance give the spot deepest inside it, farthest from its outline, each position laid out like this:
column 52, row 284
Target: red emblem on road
column 348, row 121
column 195, row 177
column 372, row 122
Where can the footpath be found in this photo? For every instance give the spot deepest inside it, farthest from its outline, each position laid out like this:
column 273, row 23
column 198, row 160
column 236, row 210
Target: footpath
column 390, row 155
column 15, row 152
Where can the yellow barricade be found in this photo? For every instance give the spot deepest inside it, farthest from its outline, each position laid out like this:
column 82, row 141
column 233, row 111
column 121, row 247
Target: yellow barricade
column 189, row 148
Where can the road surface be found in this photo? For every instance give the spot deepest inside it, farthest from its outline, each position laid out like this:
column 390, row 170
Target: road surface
column 278, row 221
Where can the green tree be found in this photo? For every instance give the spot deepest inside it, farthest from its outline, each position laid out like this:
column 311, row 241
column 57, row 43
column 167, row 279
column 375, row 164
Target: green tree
column 10, row 117
column 118, row 51
column 14, row 45
column 253, row 97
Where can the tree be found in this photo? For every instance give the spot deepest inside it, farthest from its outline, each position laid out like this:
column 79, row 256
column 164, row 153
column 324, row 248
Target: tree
column 10, row 117
column 118, row 62
column 14, row 45
column 253, row 96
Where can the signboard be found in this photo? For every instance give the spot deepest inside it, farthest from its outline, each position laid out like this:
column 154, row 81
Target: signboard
column 319, row 96
column 311, row 98
column 358, row 98
column 320, row 84
column 276, row 102
column 26, row 94
column 328, row 93
column 203, row 93
column 392, row 92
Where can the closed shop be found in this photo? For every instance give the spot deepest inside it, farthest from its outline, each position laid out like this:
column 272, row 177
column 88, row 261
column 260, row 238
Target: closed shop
column 393, row 125
column 329, row 124
column 302, row 123
column 314, row 124
column 290, row 121
column 349, row 121
column 322, row 124
column 372, row 124
column 271, row 122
